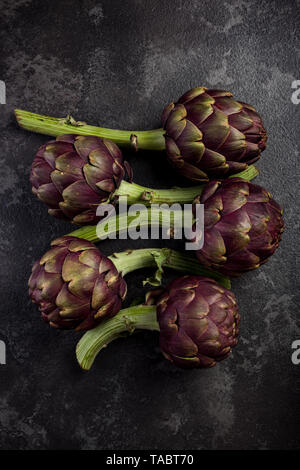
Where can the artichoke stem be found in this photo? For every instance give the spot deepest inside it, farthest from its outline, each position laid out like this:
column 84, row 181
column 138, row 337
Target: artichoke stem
column 130, row 260
column 147, row 140
column 128, row 320
column 141, row 194
column 120, row 223
column 144, row 195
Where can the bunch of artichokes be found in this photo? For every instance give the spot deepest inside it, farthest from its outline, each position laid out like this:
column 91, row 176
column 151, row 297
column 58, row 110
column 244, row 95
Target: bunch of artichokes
column 206, row 134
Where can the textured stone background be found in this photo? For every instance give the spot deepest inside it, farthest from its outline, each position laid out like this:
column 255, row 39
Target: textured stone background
column 118, row 63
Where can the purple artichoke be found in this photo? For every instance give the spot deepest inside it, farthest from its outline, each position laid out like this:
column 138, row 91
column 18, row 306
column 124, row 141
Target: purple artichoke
column 74, row 174
column 75, row 286
column 198, row 322
column 242, row 226
column 208, row 134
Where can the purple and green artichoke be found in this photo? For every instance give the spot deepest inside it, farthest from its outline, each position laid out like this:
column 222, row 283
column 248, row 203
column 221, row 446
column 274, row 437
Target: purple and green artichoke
column 209, row 134
column 243, row 225
column 74, row 174
column 197, row 318
column 75, row 286
column 198, row 321
column 206, row 133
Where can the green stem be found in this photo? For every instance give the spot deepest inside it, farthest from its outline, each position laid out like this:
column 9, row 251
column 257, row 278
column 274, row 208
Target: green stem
column 119, row 224
column 141, row 194
column 149, row 140
column 116, row 225
column 130, row 260
column 128, row 320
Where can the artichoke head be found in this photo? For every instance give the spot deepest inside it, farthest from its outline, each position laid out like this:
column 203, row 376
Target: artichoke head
column 198, row 322
column 75, row 286
column 74, row 174
column 209, row 134
column 242, row 226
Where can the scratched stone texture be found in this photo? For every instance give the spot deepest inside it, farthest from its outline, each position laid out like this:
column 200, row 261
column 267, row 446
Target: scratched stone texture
column 117, row 63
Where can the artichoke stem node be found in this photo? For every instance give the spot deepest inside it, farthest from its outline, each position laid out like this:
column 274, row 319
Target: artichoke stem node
column 134, row 142
column 129, row 324
column 71, row 121
column 147, row 196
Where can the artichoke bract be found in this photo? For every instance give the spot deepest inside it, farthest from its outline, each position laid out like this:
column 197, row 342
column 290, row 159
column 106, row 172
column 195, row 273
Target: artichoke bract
column 74, row 174
column 208, row 134
column 197, row 319
column 75, row 286
column 243, row 225
column 198, row 322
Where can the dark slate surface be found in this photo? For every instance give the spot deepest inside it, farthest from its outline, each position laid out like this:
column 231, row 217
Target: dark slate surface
column 118, row 63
